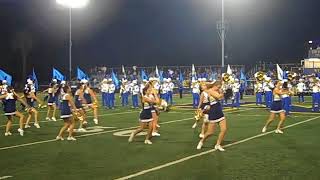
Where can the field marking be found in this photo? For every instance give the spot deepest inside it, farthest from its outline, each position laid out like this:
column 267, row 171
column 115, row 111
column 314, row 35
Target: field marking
column 6, row 177
column 207, row 152
column 97, row 133
column 101, row 115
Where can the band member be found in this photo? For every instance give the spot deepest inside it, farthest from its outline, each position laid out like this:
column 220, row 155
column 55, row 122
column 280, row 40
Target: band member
column 135, row 92
column 216, row 116
column 51, row 113
column 170, row 91
column 66, row 114
column 277, row 108
column 236, row 94
column 111, row 91
column 195, row 86
column 88, row 95
column 259, row 92
column 9, row 102
column 301, row 87
column 164, row 90
column 124, row 92
column 146, row 120
column 104, row 87
column 315, row 95
column 286, row 97
column 242, row 88
column 268, row 86
column 31, row 98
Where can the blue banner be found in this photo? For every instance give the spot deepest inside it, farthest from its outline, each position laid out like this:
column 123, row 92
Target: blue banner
column 5, row 76
column 81, row 75
column 115, row 79
column 57, row 75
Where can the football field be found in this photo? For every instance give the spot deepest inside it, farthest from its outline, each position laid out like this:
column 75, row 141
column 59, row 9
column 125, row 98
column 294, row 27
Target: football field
column 103, row 152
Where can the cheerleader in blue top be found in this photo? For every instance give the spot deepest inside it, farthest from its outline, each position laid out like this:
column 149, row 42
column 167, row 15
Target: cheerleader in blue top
column 9, row 101
column 29, row 94
column 88, row 95
column 216, row 115
column 67, row 106
column 52, row 107
column 146, row 120
column 78, row 101
column 277, row 108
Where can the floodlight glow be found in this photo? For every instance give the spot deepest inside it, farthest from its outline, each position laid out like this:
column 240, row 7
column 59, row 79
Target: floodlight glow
column 73, row 3
column 310, row 42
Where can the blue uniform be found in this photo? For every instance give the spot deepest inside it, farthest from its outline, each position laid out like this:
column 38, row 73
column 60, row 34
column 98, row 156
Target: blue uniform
column 77, row 100
column 277, row 106
column 27, row 94
column 9, row 105
column 146, row 113
column 87, row 97
column 65, row 108
column 215, row 112
column 51, row 98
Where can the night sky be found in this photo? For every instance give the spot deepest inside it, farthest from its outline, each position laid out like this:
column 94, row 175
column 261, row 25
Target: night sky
column 150, row 32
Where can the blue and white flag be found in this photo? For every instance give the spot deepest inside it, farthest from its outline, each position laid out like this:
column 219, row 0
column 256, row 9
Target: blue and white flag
column 81, row 74
column 57, row 75
column 144, row 76
column 115, row 79
column 279, row 72
column 5, row 76
column 35, row 79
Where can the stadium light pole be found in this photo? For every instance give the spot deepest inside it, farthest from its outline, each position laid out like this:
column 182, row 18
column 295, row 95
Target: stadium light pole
column 221, row 26
column 71, row 4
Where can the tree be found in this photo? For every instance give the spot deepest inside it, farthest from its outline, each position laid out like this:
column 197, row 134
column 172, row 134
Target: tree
column 23, row 43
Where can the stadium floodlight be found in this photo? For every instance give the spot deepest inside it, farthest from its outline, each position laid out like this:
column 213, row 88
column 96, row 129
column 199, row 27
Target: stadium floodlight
column 71, row 4
column 310, row 42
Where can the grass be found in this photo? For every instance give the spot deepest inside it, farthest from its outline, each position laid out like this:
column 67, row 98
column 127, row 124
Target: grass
column 102, row 155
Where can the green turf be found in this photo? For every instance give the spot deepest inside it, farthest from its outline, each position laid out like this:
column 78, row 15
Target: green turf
column 293, row 155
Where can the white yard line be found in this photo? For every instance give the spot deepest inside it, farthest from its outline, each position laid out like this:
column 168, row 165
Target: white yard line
column 207, row 152
column 97, row 133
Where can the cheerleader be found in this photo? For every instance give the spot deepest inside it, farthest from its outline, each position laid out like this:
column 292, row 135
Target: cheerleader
column 216, row 115
column 9, row 102
column 276, row 108
column 78, row 101
column 146, row 118
column 88, row 96
column 66, row 114
column 204, row 105
column 155, row 109
column 51, row 113
column 29, row 94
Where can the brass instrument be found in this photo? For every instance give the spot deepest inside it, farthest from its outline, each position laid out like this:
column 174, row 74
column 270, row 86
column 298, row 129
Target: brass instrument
column 226, row 77
column 291, row 76
column 260, row 76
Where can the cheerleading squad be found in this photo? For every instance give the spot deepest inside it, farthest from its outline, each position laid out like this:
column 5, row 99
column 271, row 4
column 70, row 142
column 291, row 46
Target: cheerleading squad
column 153, row 97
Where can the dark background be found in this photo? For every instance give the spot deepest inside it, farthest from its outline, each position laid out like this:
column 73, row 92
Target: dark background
column 150, row 32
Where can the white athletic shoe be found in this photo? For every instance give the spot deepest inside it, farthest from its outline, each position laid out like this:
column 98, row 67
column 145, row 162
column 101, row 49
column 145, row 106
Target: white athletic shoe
column 68, row 129
column 155, row 134
column 48, row 119
column 147, row 142
column 194, row 125
column 27, row 126
column 53, row 119
column 200, row 144
column 201, row 136
column 218, row 147
column 59, row 138
column 96, row 121
column 131, row 137
column 21, row 131
column 36, row 125
column 71, row 138
column 264, row 129
column 7, row 134
column 158, row 125
column 82, row 130
column 278, row 131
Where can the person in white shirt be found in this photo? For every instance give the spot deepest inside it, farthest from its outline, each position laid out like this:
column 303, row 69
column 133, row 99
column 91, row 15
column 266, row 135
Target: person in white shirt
column 236, row 94
column 195, row 86
column 301, row 87
column 124, row 92
column 111, row 91
column 258, row 90
column 267, row 87
column 164, row 89
column 135, row 92
column 170, row 91
column 104, row 87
